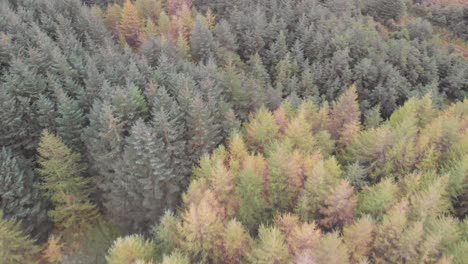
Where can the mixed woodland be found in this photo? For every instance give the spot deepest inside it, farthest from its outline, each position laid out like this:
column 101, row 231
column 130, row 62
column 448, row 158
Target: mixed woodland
column 220, row 131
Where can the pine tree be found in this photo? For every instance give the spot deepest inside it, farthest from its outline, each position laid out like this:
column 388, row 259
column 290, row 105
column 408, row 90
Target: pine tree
column 46, row 114
column 15, row 246
column 61, row 176
column 19, row 196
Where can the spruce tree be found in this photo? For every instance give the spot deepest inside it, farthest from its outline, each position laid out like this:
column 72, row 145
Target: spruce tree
column 19, row 197
column 144, row 184
column 202, row 43
column 70, row 122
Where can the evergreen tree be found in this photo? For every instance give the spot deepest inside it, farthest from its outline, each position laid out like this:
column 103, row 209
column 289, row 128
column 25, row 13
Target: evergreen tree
column 144, row 183
column 385, row 10
column 202, row 44
column 70, row 122
column 19, row 197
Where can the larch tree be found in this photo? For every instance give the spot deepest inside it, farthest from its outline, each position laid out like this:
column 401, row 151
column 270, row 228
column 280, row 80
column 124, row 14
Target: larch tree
column 130, row 249
column 62, row 179
column 345, row 117
column 271, row 247
column 131, row 25
column 15, row 246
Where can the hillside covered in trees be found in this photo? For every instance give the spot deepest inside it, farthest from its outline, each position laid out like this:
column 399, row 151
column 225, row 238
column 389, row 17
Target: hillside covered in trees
column 220, row 131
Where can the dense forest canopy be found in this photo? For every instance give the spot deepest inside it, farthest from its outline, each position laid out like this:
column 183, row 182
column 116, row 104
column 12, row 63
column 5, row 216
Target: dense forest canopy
column 219, row 131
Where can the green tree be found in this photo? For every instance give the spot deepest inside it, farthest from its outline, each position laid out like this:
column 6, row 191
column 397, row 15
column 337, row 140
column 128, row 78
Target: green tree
column 19, row 196
column 385, row 10
column 271, row 247
column 129, row 249
column 202, row 44
column 70, row 122
column 62, row 179
column 143, row 179
column 15, row 246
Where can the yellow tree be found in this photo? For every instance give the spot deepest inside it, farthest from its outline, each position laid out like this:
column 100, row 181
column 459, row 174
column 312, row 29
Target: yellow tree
column 61, row 172
column 131, row 25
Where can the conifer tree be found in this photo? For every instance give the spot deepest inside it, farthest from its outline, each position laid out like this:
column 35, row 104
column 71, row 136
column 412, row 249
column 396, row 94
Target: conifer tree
column 375, row 200
column 261, row 129
column 332, row 250
column 271, row 247
column 19, row 196
column 15, row 246
column 130, row 249
column 202, row 43
column 345, row 117
column 252, row 204
column 70, row 122
column 237, row 243
column 338, row 207
column 358, row 237
column 112, row 18
column 61, row 175
column 143, row 184
column 131, row 25
column 388, row 235
column 203, row 229
column 176, row 258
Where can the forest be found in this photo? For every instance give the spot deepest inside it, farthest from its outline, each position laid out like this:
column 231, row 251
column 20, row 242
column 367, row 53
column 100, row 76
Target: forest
column 221, row 131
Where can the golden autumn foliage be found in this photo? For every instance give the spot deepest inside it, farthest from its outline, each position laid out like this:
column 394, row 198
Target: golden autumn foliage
column 273, row 196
